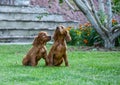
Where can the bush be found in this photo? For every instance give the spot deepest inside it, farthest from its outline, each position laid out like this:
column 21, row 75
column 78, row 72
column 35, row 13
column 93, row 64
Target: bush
column 84, row 35
column 75, row 35
column 117, row 41
column 116, row 6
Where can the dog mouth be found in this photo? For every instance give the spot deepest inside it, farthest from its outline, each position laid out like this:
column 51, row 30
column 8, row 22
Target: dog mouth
column 49, row 38
column 60, row 30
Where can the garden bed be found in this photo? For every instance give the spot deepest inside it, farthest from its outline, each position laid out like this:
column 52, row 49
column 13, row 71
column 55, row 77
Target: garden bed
column 91, row 48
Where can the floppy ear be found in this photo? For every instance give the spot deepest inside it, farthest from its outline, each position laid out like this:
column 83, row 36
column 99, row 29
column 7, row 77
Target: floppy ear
column 68, row 37
column 35, row 42
column 55, row 35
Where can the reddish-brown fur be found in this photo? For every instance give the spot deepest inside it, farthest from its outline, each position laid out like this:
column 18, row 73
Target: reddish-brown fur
column 38, row 50
column 58, row 51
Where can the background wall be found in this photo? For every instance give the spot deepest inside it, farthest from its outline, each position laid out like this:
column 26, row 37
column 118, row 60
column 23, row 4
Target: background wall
column 53, row 6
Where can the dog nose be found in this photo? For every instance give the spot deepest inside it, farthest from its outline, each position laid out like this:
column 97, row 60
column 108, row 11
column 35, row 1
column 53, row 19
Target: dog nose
column 49, row 37
column 57, row 27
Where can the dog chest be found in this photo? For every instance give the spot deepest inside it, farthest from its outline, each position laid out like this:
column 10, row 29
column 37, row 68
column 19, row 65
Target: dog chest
column 60, row 48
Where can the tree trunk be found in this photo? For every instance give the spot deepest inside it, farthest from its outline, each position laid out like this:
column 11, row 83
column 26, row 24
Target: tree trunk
column 108, row 43
column 107, row 32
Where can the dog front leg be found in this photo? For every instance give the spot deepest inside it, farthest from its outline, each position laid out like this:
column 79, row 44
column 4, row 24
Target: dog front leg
column 50, row 59
column 25, row 61
column 46, row 59
column 66, row 60
column 50, row 56
column 33, row 61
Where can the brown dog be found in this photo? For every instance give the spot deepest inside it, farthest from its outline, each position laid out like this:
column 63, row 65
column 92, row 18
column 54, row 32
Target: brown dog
column 38, row 50
column 58, row 51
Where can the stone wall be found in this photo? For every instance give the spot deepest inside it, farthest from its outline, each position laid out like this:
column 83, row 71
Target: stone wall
column 15, row 2
column 53, row 6
column 20, row 23
column 8, row 2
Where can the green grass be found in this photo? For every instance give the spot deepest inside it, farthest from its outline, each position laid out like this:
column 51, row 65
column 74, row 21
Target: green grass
column 86, row 68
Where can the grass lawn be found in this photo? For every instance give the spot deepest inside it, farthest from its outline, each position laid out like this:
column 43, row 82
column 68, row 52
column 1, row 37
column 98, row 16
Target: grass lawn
column 86, row 68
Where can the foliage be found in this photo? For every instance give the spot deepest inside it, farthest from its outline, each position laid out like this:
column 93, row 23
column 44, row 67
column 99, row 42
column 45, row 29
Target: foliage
column 42, row 15
column 60, row 1
column 75, row 35
column 102, row 16
column 114, row 22
column 84, row 35
column 116, row 6
column 86, row 68
column 117, row 41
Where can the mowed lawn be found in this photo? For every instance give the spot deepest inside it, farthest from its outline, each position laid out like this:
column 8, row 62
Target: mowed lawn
column 86, row 68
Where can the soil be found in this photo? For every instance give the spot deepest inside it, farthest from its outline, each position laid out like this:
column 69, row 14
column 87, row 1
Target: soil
column 92, row 48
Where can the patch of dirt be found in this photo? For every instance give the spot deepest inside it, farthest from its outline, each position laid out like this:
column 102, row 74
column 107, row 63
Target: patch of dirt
column 92, row 48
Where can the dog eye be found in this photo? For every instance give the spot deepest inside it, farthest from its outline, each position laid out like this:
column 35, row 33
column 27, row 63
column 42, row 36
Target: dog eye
column 62, row 27
column 43, row 36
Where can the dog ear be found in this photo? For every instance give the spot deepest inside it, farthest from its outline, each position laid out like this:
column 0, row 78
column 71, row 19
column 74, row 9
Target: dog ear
column 36, row 41
column 55, row 35
column 68, row 37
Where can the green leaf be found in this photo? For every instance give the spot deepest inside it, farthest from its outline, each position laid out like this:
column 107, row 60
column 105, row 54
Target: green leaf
column 60, row 1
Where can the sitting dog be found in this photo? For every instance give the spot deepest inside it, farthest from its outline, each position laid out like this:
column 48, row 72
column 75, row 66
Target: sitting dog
column 58, row 51
column 38, row 50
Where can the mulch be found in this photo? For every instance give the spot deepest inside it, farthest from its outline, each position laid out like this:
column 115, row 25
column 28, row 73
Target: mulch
column 92, row 48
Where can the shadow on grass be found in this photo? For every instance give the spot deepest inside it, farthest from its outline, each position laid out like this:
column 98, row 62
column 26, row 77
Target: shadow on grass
column 38, row 66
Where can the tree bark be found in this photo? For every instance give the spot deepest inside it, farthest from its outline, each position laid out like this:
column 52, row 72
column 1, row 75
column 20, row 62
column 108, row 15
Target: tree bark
column 108, row 43
column 69, row 4
column 107, row 32
column 101, row 5
column 109, row 7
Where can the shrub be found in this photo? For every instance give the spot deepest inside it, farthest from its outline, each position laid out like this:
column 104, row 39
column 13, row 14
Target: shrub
column 76, row 37
column 116, row 6
column 84, row 35
column 117, row 41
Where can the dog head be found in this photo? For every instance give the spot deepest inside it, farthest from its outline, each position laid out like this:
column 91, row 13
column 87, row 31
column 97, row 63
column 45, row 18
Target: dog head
column 61, row 32
column 42, row 38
